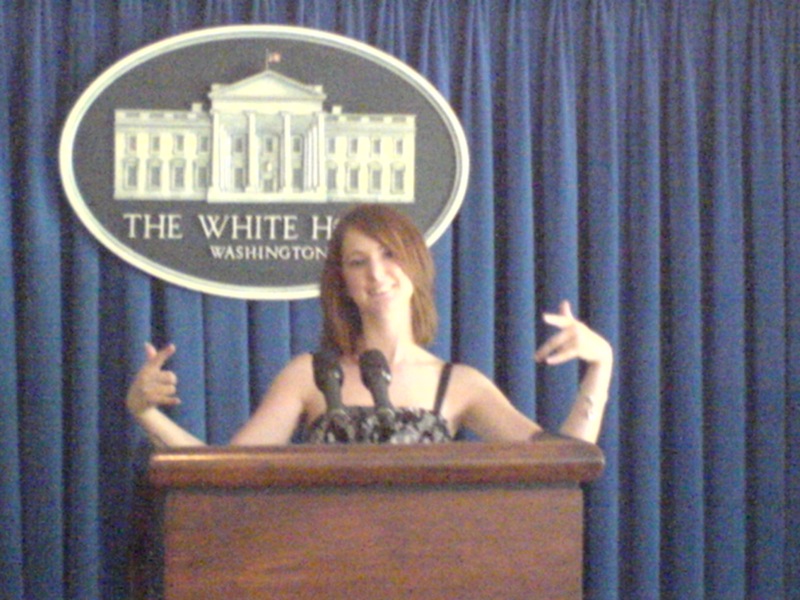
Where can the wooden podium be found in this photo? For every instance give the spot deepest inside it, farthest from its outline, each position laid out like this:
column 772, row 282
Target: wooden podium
column 454, row 521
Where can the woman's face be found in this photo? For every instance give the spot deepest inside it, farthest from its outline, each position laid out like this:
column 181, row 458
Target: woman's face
column 373, row 278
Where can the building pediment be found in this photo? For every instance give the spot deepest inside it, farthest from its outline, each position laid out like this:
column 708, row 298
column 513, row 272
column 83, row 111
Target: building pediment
column 267, row 85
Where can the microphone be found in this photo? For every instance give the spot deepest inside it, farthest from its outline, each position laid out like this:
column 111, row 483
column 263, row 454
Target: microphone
column 375, row 375
column 328, row 377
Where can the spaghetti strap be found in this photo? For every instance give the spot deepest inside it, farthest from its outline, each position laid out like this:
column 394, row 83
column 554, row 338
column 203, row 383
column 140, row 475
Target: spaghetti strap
column 444, row 379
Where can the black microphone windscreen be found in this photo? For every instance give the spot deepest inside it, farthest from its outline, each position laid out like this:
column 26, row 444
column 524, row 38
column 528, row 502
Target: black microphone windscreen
column 326, row 365
column 374, row 368
column 376, row 376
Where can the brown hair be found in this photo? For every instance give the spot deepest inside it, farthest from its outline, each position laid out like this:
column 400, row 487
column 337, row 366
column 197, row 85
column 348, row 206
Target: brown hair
column 341, row 320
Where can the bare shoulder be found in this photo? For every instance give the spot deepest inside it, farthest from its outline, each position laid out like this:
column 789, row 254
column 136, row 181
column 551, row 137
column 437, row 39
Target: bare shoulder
column 471, row 381
column 299, row 365
column 297, row 375
column 479, row 405
column 282, row 405
column 469, row 386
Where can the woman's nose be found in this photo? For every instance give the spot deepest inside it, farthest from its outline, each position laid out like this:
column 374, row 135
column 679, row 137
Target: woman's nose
column 376, row 270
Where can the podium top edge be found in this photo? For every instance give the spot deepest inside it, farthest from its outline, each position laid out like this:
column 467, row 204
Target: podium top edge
column 549, row 459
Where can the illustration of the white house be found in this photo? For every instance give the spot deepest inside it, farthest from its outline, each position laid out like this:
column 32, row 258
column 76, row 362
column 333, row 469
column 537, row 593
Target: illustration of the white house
column 267, row 138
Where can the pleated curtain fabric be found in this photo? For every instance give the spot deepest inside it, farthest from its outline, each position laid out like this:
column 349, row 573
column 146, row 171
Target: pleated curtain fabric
column 639, row 158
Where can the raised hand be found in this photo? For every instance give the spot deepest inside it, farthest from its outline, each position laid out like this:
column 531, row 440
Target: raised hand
column 153, row 385
column 573, row 340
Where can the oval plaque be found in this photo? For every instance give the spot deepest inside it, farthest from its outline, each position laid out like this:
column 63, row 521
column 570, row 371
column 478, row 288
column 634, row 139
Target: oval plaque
column 218, row 160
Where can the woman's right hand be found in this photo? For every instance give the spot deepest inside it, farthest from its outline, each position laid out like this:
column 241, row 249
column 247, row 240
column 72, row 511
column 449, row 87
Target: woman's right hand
column 153, row 386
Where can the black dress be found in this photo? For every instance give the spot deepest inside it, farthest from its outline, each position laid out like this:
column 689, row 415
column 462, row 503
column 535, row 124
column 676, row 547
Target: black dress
column 361, row 424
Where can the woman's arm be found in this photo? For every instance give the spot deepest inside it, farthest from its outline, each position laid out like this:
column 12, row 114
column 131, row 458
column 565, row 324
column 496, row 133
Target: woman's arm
column 480, row 406
column 282, row 407
column 273, row 422
column 485, row 410
column 576, row 340
column 152, row 387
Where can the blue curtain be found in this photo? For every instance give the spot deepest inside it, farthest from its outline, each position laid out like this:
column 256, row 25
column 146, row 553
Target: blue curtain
column 640, row 158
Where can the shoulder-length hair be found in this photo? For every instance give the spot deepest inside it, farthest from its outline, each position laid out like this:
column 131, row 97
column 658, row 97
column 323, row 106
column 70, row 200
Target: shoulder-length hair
column 342, row 325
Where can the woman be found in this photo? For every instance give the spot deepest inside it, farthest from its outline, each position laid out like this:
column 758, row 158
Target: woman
column 377, row 294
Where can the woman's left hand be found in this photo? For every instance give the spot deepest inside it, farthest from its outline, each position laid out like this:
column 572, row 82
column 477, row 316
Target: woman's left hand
column 574, row 340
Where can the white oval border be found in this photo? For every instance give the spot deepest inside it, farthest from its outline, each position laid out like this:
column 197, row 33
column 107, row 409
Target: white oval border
column 98, row 86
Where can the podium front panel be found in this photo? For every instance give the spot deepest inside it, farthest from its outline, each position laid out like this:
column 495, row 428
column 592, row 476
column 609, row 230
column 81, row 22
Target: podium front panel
column 458, row 521
column 508, row 542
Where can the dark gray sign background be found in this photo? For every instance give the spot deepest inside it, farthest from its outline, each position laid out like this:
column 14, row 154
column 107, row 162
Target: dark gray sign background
column 175, row 79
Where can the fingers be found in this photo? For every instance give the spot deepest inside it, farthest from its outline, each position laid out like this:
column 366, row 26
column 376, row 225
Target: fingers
column 574, row 340
column 563, row 318
column 157, row 358
column 151, row 390
column 564, row 345
column 566, row 309
column 154, row 386
column 559, row 348
column 161, row 388
column 561, row 356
